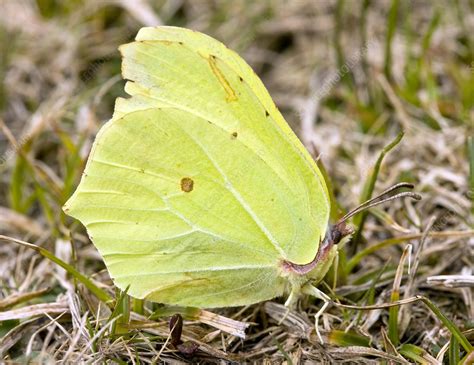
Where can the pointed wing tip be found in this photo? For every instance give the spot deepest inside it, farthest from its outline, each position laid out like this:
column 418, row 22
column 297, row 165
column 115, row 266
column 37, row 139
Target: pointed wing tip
column 67, row 208
column 123, row 48
column 71, row 205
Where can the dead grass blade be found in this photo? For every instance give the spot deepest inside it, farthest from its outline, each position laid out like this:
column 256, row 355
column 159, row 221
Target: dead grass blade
column 34, row 310
column 17, row 298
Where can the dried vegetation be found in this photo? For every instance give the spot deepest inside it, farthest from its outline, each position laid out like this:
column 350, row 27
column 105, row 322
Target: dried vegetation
column 348, row 76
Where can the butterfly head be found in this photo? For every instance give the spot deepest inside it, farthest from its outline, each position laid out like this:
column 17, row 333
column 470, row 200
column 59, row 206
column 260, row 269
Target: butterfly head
column 337, row 232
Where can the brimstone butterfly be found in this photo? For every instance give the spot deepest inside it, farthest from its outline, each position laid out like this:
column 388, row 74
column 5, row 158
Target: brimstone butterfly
column 197, row 192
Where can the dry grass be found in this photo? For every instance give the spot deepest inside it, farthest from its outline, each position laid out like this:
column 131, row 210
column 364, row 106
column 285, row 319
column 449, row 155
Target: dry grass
column 328, row 66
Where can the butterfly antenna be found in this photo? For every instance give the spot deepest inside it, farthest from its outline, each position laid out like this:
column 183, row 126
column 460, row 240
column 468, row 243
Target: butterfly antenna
column 383, row 197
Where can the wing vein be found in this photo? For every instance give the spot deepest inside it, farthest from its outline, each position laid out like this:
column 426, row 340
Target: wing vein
column 260, row 278
column 194, row 112
column 209, row 269
column 237, row 196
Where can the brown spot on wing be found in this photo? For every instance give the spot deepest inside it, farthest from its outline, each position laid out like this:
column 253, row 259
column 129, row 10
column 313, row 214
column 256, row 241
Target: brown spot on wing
column 230, row 93
column 162, row 41
column 267, row 113
column 187, row 184
column 234, row 135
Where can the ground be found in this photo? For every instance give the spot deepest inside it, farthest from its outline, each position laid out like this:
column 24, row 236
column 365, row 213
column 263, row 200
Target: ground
column 349, row 77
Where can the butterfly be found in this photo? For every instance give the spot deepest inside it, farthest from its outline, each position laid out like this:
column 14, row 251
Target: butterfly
column 197, row 192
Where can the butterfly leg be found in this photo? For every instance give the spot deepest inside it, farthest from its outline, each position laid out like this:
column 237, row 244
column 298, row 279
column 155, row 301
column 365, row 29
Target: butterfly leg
column 291, row 301
column 293, row 298
column 315, row 292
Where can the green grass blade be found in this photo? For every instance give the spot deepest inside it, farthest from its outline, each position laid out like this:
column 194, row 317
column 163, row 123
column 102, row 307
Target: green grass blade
column 393, row 333
column 416, row 354
column 461, row 17
column 434, row 23
column 341, row 338
column 45, row 205
column 121, row 311
column 138, row 305
column 73, row 164
column 431, row 82
column 470, row 156
column 364, row 44
column 287, row 357
column 354, row 261
column 346, row 73
column 17, row 186
column 369, row 186
column 453, row 351
column 392, row 23
column 455, row 331
column 98, row 292
column 335, row 213
column 91, row 330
